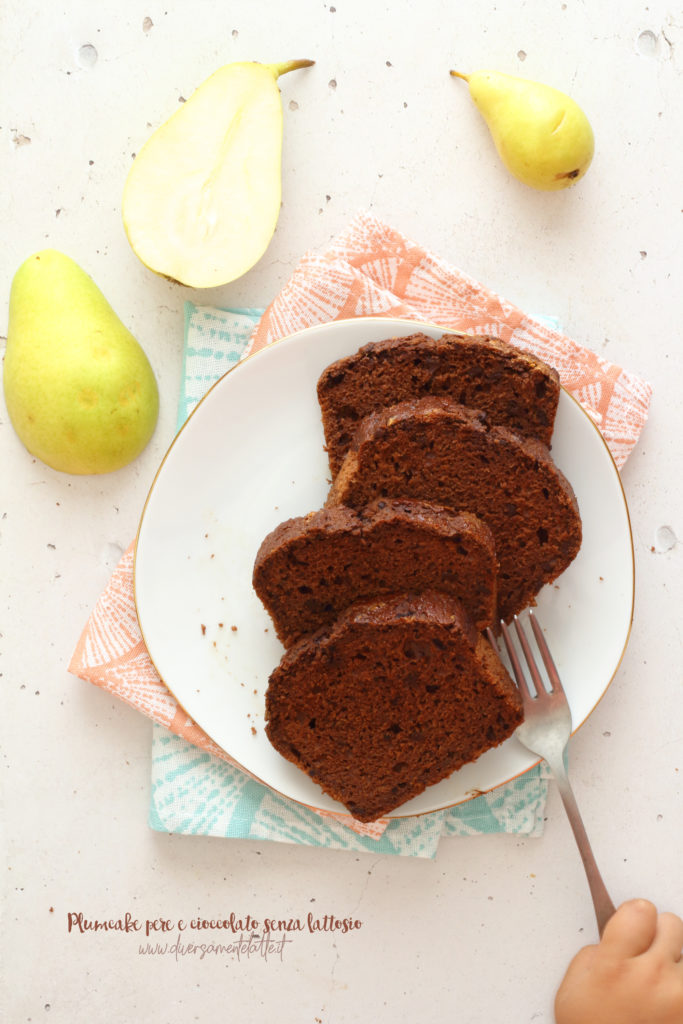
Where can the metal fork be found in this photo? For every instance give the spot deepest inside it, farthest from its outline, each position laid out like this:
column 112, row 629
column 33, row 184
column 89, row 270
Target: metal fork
column 545, row 731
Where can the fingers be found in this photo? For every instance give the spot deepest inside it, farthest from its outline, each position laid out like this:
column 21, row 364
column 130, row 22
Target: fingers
column 632, row 929
column 668, row 939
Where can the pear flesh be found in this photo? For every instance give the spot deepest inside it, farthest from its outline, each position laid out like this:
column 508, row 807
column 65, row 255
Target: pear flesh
column 542, row 135
column 202, row 199
column 79, row 389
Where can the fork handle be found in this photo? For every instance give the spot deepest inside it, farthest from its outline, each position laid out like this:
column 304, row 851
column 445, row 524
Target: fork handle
column 604, row 908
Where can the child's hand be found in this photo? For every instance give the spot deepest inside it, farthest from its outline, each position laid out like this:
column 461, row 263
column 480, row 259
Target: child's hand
column 634, row 976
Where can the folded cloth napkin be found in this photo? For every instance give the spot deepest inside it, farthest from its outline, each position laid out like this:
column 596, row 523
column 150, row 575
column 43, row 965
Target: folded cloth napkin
column 371, row 269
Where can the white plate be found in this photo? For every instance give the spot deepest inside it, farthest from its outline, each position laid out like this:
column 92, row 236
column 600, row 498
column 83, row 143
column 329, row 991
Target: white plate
column 251, row 455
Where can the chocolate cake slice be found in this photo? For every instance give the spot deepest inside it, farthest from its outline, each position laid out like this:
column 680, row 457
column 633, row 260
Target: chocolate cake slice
column 396, row 695
column 437, row 450
column 514, row 388
column 310, row 568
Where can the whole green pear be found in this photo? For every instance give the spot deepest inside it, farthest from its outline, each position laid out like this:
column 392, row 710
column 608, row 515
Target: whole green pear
column 543, row 136
column 79, row 389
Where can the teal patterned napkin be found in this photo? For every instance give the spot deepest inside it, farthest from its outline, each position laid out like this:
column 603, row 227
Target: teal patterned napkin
column 194, row 793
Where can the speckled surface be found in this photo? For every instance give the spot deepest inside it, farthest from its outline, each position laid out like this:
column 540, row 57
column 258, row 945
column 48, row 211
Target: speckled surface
column 377, row 124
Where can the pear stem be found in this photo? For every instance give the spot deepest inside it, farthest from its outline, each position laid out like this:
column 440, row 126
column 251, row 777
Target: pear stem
column 290, row 65
column 459, row 74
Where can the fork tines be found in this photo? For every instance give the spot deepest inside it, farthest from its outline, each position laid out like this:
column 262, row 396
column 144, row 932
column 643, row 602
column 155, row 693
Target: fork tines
column 520, row 675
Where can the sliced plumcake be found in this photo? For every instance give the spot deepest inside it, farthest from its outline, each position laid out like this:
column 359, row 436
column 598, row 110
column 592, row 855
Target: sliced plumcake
column 309, row 569
column 439, row 451
column 394, row 696
column 514, row 388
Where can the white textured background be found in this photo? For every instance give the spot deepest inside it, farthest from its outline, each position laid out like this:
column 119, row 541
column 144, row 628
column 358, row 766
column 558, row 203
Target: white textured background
column 483, row 933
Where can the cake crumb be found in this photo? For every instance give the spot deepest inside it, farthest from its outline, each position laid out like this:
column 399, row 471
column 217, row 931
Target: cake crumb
column 234, row 629
column 203, row 629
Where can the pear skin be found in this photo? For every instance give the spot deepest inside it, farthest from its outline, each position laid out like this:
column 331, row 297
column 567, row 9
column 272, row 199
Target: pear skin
column 202, row 198
column 79, row 389
column 542, row 135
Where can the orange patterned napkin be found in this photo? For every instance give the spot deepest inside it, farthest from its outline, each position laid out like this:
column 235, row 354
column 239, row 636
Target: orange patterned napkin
column 373, row 270
column 369, row 270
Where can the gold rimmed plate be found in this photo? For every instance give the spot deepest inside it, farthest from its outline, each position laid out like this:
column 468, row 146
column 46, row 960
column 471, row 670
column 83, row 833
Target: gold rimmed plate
column 251, row 455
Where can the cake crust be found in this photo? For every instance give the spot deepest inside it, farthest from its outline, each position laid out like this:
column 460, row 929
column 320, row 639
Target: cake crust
column 440, row 451
column 514, row 388
column 310, row 568
column 393, row 697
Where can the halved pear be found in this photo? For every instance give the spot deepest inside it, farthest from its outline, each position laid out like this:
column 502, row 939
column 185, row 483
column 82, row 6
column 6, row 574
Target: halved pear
column 202, row 198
